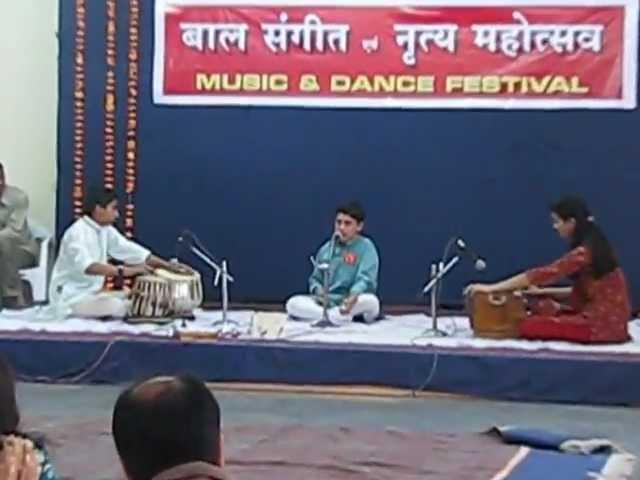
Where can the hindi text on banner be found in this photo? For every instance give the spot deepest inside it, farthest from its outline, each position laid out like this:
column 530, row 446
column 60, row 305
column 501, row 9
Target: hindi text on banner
column 409, row 36
column 206, row 36
column 523, row 37
column 311, row 35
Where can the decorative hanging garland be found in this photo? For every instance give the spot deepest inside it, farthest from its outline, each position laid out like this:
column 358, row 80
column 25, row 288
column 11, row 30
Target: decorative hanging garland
column 79, row 100
column 110, row 98
column 110, row 105
column 131, row 150
column 132, row 116
column 79, row 111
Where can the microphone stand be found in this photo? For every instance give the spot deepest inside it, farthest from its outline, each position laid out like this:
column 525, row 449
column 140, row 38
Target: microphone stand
column 437, row 273
column 324, row 268
column 222, row 277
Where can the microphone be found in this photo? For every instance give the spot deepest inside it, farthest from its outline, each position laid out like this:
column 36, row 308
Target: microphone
column 178, row 245
column 478, row 262
column 335, row 238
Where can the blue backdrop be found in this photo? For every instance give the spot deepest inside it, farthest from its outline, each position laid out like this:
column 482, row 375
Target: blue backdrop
column 259, row 185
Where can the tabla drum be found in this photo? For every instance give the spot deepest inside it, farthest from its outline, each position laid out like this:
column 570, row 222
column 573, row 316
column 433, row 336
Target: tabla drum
column 496, row 315
column 150, row 298
column 185, row 291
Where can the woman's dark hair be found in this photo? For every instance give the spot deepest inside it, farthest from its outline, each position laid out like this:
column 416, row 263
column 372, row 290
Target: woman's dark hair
column 587, row 233
column 9, row 414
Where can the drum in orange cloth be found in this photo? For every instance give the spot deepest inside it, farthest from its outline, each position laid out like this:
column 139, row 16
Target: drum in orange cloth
column 496, row 315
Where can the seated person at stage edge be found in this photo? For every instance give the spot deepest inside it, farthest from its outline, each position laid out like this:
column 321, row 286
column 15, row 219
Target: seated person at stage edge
column 353, row 274
column 22, row 456
column 79, row 274
column 598, row 308
column 18, row 248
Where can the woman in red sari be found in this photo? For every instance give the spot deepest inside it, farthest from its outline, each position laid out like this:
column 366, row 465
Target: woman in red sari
column 598, row 308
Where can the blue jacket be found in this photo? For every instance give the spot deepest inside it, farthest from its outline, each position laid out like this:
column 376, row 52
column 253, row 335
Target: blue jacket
column 353, row 269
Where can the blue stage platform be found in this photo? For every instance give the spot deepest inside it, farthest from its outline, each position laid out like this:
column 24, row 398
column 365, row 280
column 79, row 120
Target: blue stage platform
column 505, row 374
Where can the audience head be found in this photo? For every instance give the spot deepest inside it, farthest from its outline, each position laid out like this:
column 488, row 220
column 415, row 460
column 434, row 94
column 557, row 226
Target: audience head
column 349, row 221
column 165, row 422
column 101, row 204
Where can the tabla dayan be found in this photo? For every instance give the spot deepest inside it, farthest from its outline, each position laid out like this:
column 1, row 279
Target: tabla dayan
column 150, row 299
column 185, row 290
column 164, row 295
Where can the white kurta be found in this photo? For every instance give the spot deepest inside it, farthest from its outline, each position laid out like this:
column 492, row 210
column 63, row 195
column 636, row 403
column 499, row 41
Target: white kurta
column 85, row 242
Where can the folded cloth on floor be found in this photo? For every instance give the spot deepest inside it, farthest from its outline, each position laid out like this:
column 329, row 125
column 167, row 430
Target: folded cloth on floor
column 552, row 455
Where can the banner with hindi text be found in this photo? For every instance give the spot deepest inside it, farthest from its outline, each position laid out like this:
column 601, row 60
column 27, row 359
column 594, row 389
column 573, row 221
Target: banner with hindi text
column 526, row 54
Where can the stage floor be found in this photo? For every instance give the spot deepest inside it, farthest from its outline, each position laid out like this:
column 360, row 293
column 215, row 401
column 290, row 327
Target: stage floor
column 265, row 348
column 393, row 330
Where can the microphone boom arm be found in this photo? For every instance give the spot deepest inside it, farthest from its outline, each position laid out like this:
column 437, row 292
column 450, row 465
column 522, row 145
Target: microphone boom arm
column 441, row 273
column 219, row 269
column 222, row 276
column 438, row 270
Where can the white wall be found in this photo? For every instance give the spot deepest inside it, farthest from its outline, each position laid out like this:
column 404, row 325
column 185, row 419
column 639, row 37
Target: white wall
column 28, row 101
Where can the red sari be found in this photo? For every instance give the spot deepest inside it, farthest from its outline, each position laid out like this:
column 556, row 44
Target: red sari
column 598, row 311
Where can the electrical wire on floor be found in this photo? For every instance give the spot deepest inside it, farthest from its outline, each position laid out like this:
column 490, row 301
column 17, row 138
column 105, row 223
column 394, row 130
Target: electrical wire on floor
column 427, row 381
column 84, row 372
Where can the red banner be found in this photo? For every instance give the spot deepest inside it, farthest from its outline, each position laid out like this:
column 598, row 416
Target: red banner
column 379, row 53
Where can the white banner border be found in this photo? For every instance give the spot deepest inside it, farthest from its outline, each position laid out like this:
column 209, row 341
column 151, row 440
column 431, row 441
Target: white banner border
column 629, row 69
